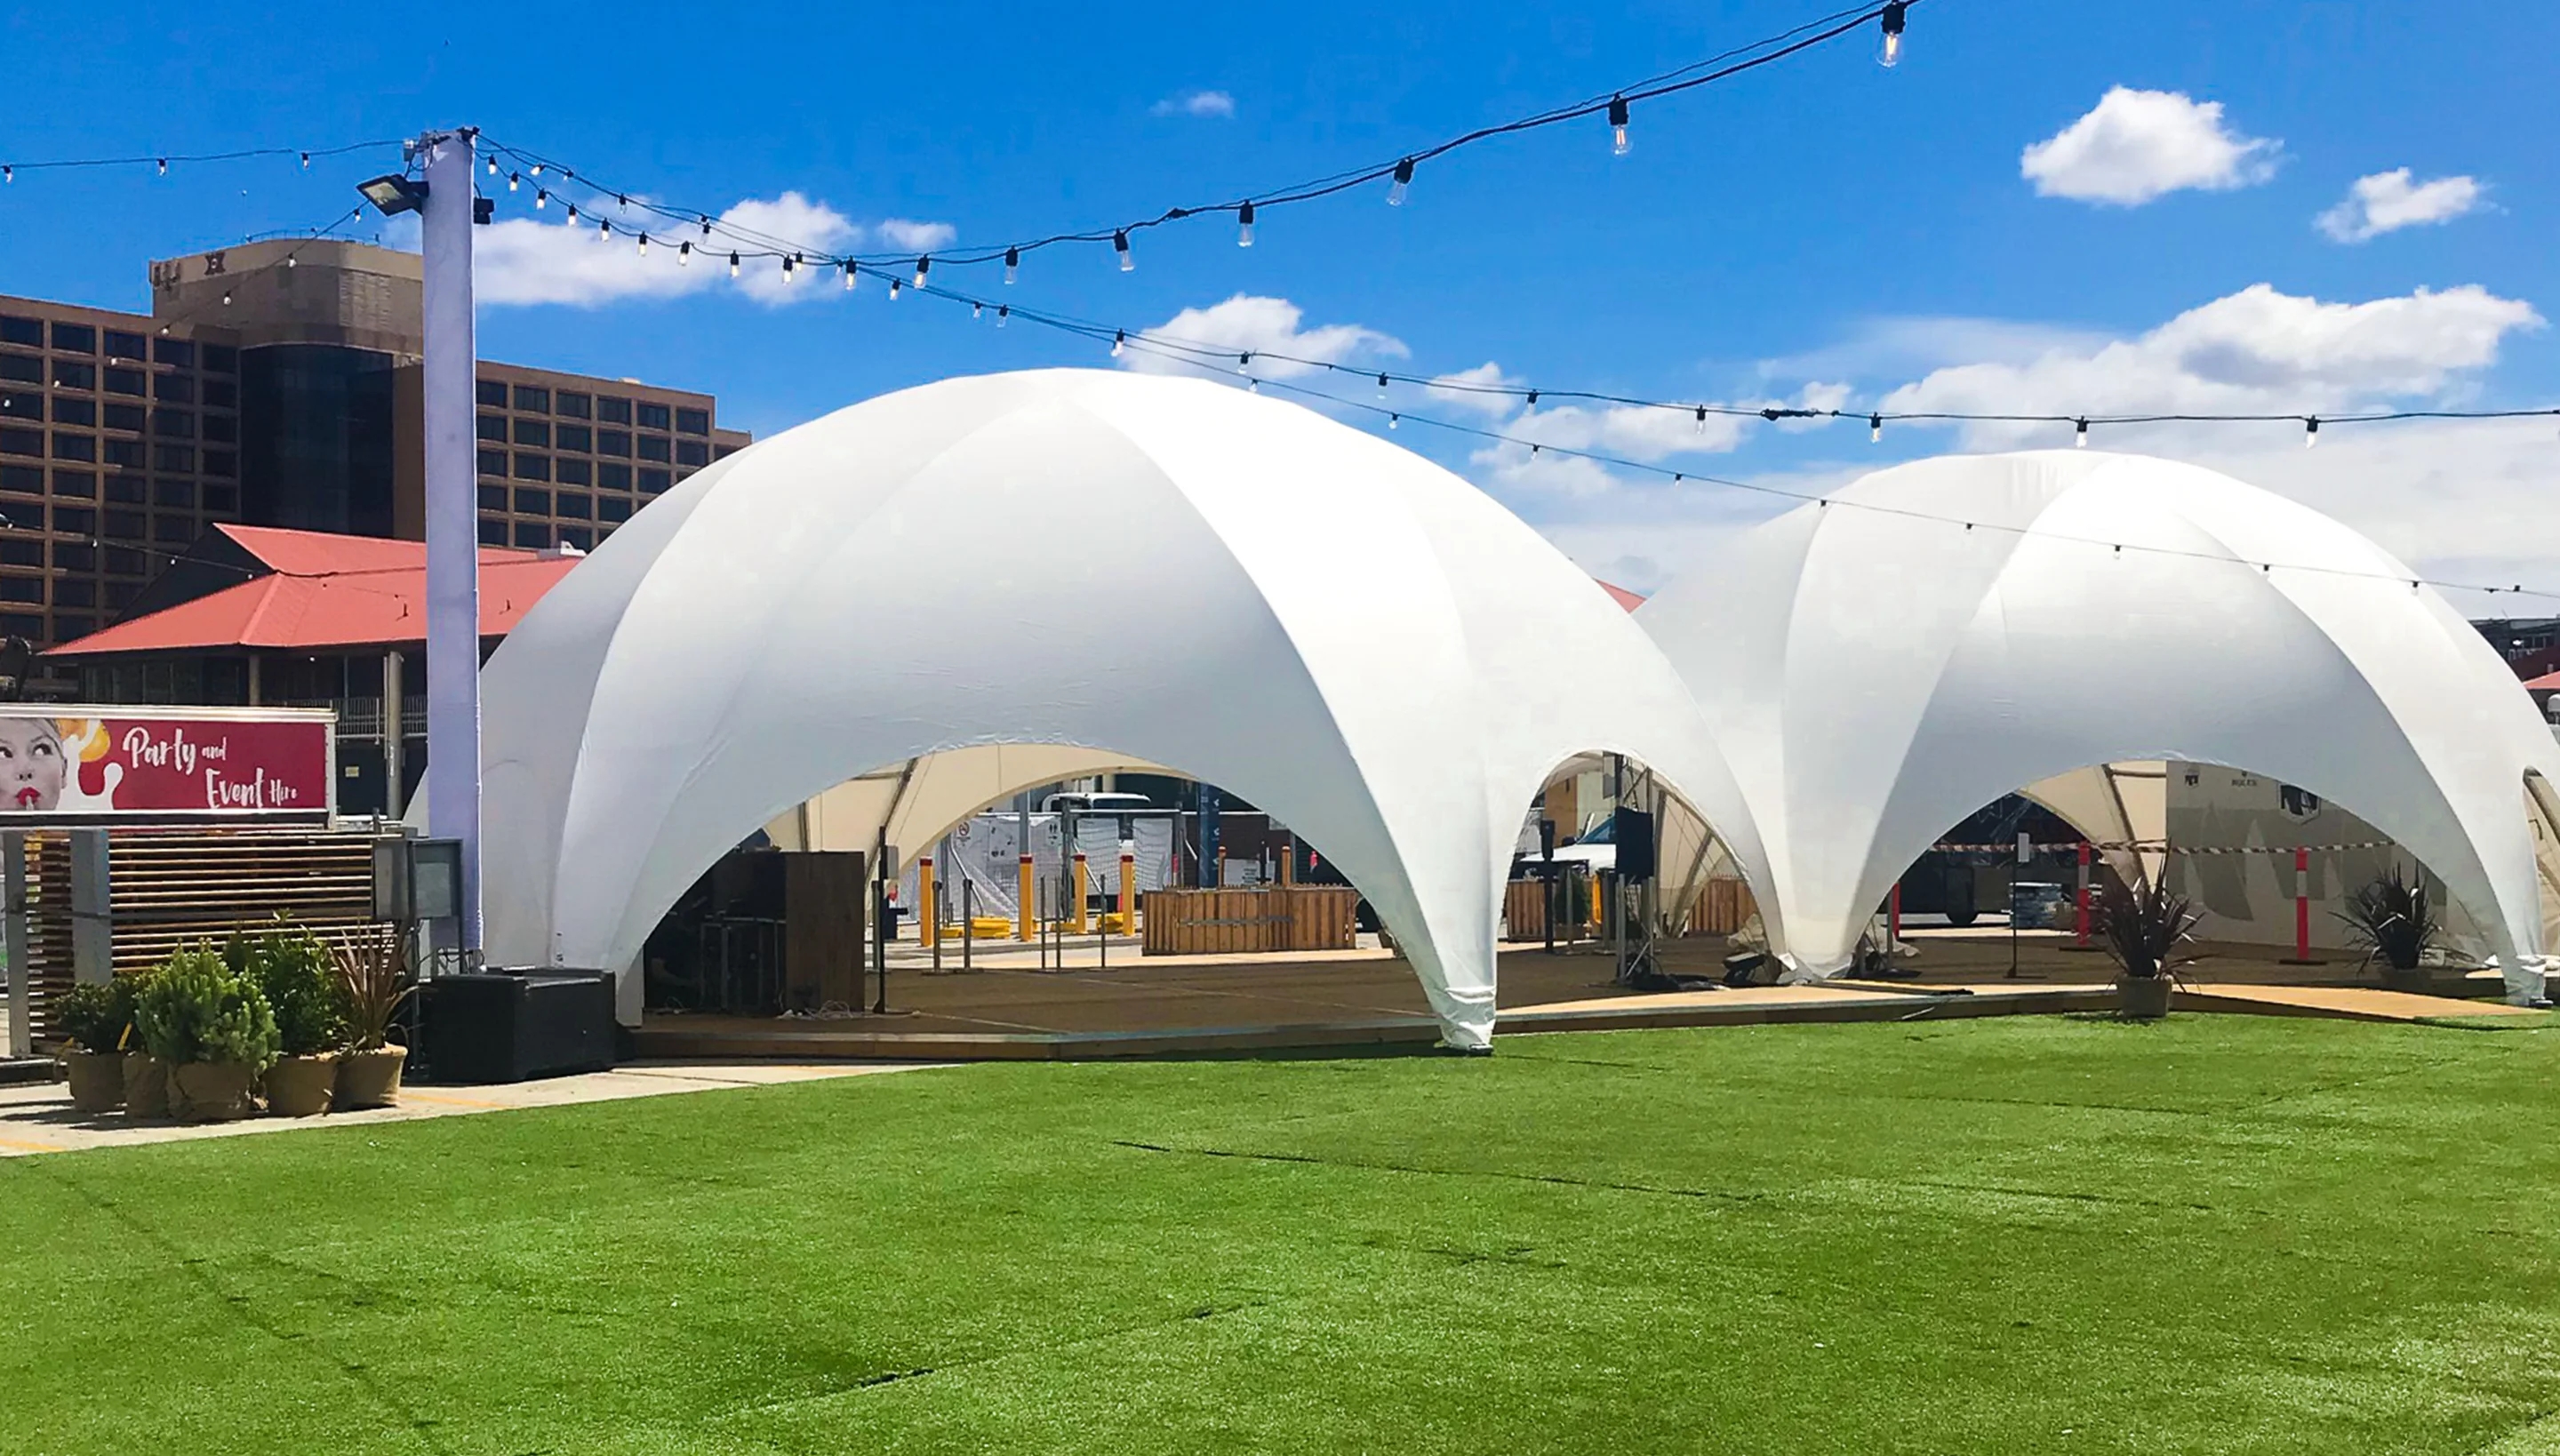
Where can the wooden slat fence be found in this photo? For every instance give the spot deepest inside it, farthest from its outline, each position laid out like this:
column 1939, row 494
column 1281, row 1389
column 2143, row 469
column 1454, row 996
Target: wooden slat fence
column 1236, row 922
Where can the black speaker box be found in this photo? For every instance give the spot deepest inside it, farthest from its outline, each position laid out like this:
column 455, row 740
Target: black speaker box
column 501, row 1028
column 1633, row 830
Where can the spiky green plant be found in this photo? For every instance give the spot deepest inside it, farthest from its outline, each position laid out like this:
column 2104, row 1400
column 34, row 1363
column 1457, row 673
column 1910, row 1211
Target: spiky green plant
column 195, row 1008
column 2149, row 931
column 295, row 969
column 93, row 1015
column 373, row 982
column 2395, row 918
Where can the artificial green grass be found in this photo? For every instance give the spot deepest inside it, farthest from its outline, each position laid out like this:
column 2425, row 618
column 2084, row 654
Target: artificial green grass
column 2014, row 1234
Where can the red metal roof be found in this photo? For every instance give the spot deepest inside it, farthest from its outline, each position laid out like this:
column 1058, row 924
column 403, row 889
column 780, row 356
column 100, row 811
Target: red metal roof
column 2548, row 681
column 327, row 592
column 1621, row 596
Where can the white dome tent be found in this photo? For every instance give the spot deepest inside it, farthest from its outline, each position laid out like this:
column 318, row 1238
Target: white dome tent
column 1876, row 669
column 1166, row 569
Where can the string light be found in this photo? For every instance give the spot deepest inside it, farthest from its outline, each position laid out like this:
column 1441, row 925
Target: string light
column 1120, row 245
column 1004, row 311
column 1245, row 362
column 788, row 264
column 851, row 274
column 1244, row 226
column 893, row 285
column 1403, row 180
column 2080, row 435
column 164, row 166
column 572, row 214
column 644, row 244
column 684, row 254
column 1702, row 420
column 542, row 198
column 8, row 174
column 538, row 170
column 493, row 162
column 2311, row 431
column 514, row 180
column 1891, row 17
column 1876, row 429
column 977, row 311
column 1394, row 420
column 923, row 266
column 1382, row 386
column 603, row 229
column 1618, row 127
column 1013, row 264
column 732, row 265
column 1119, row 342
column 306, row 163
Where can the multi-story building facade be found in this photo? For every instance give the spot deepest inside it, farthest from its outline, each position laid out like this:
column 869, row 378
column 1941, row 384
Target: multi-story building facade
column 276, row 383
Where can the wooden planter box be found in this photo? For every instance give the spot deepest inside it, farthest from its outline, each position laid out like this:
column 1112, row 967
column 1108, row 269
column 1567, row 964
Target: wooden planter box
column 1234, row 922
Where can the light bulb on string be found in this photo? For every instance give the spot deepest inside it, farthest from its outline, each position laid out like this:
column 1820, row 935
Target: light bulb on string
column 288, row 260
column 706, row 225
column 1120, row 245
column 541, row 198
column 1403, row 180
column 1382, row 386
column 1876, row 429
column 513, row 180
column 1013, row 264
column 603, row 229
column 226, row 300
column 852, row 272
column 1618, row 127
column 1252, row 386
column 493, row 163
column 2080, row 433
column 895, row 285
column 644, row 244
column 977, row 310
column 164, row 166
column 538, row 169
column 790, row 262
column 2311, row 431
column 1119, row 342
column 622, row 203
column 572, row 212
column 1702, row 420
column 1244, row 362
column 1244, row 226
column 1004, row 311
column 1891, row 17
column 732, row 265
column 8, row 174
column 923, row 266
column 1391, row 421
column 306, row 165
column 684, row 254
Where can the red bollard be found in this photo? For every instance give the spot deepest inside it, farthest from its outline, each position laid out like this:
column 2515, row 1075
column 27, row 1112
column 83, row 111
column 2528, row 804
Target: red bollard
column 1894, row 918
column 2303, row 905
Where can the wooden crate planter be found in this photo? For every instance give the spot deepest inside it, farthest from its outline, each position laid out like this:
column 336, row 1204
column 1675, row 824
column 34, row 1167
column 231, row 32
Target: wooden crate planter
column 1239, row 922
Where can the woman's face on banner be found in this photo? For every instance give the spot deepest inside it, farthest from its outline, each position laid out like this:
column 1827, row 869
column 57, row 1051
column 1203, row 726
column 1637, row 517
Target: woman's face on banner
column 32, row 767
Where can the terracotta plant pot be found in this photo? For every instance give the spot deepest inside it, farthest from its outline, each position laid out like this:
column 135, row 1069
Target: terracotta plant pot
column 146, row 1085
column 369, row 1079
column 2143, row 998
column 212, row 1091
column 302, row 1086
column 98, row 1079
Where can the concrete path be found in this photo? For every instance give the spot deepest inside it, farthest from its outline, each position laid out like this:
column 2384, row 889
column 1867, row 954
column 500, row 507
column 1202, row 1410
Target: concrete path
column 40, row 1119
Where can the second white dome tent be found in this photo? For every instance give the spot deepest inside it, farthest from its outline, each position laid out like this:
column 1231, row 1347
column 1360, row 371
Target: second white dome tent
column 1165, row 569
column 1876, row 670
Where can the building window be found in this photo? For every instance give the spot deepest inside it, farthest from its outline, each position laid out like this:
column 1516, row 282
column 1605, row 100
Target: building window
column 613, row 477
column 75, row 520
column 222, row 427
column 22, row 442
column 612, row 411
column 71, row 446
column 723, row 452
column 21, row 551
column 613, row 510
column 71, row 374
column 532, row 432
column 123, row 487
column 29, row 405
column 174, row 493
column 70, row 410
column 124, row 452
column 176, row 424
column 493, row 498
column 574, row 471
column 26, row 369
column 534, row 533
column 174, row 350
column 126, row 346
column 125, row 416
column 123, row 526
column 576, row 437
column 23, row 479
column 533, row 501
column 124, row 382
column 173, row 530
column 652, row 416
column 574, row 506
column 223, row 498
column 174, row 389
column 654, row 447
column 493, row 427
column 22, row 588
column 222, row 359
column 534, row 398
column 692, row 453
column 78, row 484
column 572, row 406
column 493, row 462
column 122, row 561
column 222, row 394
column 493, row 392
column 119, row 594
column 73, row 628
column 533, row 467
column 653, row 481
column 492, row 533
column 575, row 536
column 75, row 591
column 27, row 331
column 75, row 338
column 75, row 555
column 693, row 421
column 30, row 625
column 613, row 442
column 224, row 463
column 175, row 459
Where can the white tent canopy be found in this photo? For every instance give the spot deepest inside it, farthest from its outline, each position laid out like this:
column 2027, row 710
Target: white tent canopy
column 1875, row 675
column 1158, row 570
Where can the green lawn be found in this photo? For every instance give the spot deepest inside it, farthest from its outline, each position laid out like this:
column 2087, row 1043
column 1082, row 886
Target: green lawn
column 2016, row 1234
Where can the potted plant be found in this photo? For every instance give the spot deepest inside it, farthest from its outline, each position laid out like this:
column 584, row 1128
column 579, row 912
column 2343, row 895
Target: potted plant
column 2396, row 921
column 214, row 1027
column 146, row 1077
column 294, row 969
column 372, row 984
column 93, row 1017
column 2151, row 934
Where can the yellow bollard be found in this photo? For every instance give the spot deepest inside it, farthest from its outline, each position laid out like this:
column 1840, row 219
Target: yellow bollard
column 1079, row 895
column 928, row 918
column 1023, row 911
column 1128, row 894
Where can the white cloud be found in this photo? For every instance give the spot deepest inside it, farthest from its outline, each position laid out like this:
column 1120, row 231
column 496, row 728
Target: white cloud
column 528, row 261
column 1195, row 104
column 2138, row 145
column 1908, row 344
column 917, row 237
column 1249, row 323
column 2387, row 201
column 2254, row 351
column 1476, row 390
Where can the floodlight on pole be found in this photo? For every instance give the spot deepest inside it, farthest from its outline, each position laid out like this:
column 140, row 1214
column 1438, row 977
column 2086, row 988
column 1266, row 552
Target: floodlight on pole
column 394, row 195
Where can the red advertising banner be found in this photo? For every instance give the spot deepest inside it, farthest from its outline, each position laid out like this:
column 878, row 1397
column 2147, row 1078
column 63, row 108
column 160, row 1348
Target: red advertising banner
column 177, row 763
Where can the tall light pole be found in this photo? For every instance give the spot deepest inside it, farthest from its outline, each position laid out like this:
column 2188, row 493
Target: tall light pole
column 446, row 212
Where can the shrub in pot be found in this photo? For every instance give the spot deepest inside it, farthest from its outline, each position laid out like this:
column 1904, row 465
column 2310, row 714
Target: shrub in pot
column 146, row 1077
column 2150, row 933
column 295, row 970
column 373, row 985
column 93, row 1019
column 2397, row 922
column 214, row 1027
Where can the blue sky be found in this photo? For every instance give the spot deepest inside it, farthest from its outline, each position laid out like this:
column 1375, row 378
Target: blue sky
column 1823, row 229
